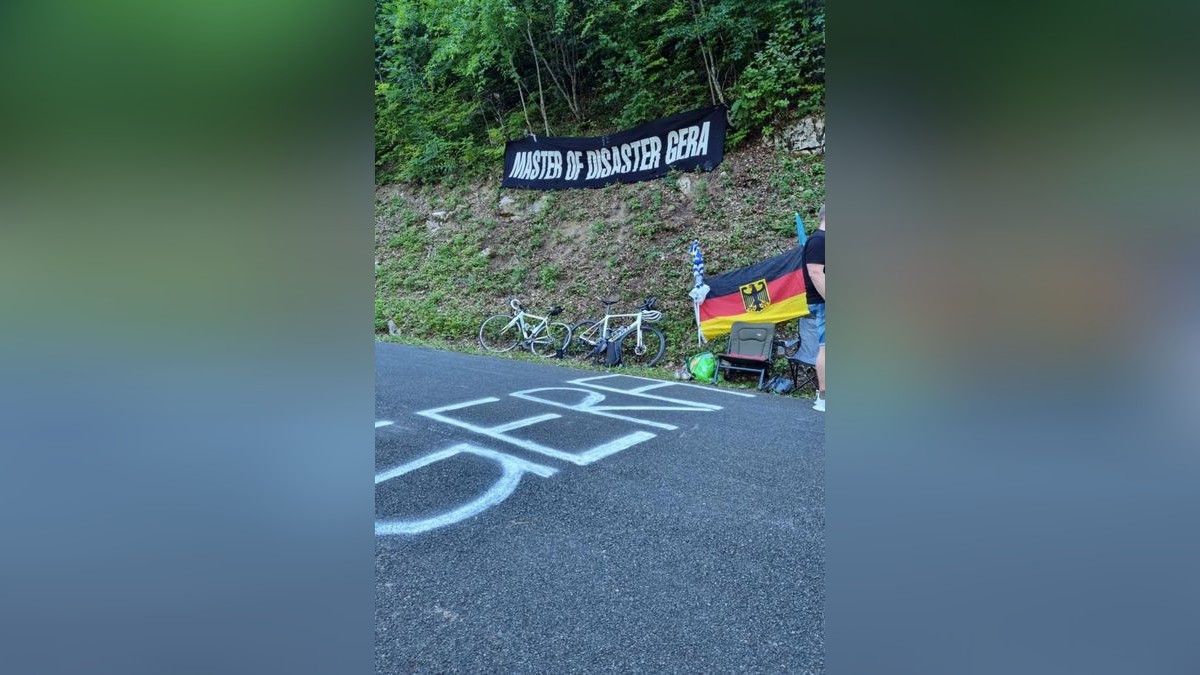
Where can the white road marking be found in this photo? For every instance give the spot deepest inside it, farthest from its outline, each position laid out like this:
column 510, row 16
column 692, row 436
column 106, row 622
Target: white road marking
column 416, row 464
column 512, row 469
column 528, row 421
column 693, row 406
column 499, row 433
column 654, row 384
column 588, row 406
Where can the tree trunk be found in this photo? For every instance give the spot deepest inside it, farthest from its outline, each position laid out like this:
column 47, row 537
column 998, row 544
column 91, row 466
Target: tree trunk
column 575, row 79
column 708, row 80
column 710, row 65
column 569, row 78
column 521, row 93
column 537, row 55
column 710, row 62
column 541, row 95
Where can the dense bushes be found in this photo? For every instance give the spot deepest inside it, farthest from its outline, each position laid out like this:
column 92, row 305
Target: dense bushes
column 456, row 78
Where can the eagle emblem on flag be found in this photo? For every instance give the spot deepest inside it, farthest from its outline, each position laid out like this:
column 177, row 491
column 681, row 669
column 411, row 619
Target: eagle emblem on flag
column 755, row 296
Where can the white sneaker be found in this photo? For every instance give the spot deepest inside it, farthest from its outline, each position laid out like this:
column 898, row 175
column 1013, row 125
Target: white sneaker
column 819, row 404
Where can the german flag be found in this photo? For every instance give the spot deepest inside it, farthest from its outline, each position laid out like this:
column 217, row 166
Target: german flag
column 765, row 292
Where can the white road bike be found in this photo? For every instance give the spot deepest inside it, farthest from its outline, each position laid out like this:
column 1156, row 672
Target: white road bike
column 503, row 332
column 641, row 345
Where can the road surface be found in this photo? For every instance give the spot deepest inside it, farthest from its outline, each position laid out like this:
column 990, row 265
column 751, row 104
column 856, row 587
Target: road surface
column 536, row 518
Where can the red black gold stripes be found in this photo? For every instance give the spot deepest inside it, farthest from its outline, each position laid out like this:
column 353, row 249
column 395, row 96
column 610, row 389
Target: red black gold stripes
column 770, row 291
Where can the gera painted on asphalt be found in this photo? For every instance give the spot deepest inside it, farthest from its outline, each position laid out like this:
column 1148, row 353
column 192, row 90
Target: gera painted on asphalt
column 586, row 397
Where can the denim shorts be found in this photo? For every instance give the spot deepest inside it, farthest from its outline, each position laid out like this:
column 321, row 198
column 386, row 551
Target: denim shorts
column 812, row 334
column 818, row 315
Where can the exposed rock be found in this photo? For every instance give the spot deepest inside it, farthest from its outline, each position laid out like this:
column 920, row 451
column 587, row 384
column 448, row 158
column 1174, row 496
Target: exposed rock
column 487, row 252
column 440, row 216
column 805, row 136
column 538, row 206
column 507, row 206
column 685, row 185
column 432, row 226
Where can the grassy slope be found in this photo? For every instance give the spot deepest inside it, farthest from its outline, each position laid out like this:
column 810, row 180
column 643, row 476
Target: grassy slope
column 627, row 241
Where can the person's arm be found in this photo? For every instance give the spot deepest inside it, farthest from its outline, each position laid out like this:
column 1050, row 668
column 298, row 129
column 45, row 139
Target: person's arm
column 817, row 274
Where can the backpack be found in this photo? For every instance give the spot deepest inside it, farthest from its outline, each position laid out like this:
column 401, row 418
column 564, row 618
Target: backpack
column 612, row 354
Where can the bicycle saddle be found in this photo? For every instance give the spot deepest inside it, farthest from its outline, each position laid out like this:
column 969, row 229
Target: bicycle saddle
column 609, row 301
column 554, row 311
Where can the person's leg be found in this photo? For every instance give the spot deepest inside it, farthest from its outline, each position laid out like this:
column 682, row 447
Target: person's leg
column 818, row 314
column 821, row 371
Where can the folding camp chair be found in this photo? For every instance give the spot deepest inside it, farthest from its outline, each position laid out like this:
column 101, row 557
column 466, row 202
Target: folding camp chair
column 801, row 365
column 751, row 346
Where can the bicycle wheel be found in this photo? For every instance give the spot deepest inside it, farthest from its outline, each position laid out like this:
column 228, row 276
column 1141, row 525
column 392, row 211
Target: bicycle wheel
column 496, row 335
column 552, row 340
column 653, row 346
column 585, row 335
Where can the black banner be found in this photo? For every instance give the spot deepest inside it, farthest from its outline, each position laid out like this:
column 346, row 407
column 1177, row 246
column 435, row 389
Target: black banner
column 686, row 141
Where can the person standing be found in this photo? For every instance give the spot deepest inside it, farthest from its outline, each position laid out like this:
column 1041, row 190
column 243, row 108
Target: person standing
column 814, row 286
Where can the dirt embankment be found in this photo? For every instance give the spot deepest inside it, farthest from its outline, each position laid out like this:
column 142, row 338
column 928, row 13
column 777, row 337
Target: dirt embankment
column 449, row 255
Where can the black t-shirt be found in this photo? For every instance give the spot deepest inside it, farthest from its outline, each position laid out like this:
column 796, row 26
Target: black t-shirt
column 814, row 253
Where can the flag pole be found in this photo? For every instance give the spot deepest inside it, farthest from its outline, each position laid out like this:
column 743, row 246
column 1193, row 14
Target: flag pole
column 699, row 291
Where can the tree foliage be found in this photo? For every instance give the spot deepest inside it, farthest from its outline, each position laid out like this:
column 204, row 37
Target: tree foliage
column 454, row 79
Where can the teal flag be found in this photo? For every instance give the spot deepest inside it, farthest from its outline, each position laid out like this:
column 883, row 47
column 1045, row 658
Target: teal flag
column 800, row 231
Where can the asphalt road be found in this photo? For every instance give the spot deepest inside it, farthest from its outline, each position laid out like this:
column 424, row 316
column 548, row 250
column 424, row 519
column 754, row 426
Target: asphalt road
column 518, row 536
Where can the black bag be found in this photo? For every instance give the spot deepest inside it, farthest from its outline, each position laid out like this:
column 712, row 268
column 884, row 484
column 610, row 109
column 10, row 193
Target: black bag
column 780, row 384
column 612, row 356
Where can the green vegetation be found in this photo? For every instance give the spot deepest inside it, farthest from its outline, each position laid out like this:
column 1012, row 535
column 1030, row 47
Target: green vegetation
column 454, row 79
column 626, row 241
column 549, row 276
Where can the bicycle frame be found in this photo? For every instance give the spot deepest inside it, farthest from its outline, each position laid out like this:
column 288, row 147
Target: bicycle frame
column 528, row 333
column 608, row 335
